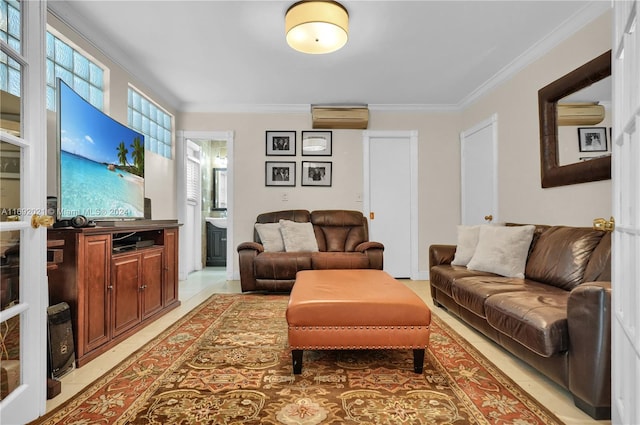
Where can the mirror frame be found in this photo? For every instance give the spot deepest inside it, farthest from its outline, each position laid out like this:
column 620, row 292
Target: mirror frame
column 214, row 199
column 552, row 173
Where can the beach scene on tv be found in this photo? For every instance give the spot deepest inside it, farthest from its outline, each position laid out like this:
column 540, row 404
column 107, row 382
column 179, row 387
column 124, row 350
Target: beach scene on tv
column 101, row 162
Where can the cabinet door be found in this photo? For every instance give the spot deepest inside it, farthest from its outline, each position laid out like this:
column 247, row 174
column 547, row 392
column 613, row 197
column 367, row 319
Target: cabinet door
column 152, row 272
column 127, row 282
column 95, row 304
column 170, row 267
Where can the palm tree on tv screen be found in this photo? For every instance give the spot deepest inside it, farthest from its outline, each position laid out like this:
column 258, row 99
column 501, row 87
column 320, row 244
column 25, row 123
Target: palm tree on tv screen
column 138, row 155
column 122, row 153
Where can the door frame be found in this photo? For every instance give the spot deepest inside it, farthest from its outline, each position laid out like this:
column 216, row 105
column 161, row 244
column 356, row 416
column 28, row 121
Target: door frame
column 492, row 121
column 412, row 135
column 18, row 406
column 181, row 194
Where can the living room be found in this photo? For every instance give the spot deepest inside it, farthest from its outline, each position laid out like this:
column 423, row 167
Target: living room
column 513, row 98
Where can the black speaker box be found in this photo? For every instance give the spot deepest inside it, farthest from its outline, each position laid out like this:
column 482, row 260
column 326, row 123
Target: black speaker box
column 62, row 353
column 147, row 208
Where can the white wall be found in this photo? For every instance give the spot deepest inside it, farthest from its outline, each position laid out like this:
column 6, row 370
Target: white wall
column 438, row 172
column 160, row 180
column 521, row 198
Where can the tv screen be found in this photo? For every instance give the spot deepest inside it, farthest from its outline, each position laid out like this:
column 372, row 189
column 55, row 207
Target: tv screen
column 101, row 162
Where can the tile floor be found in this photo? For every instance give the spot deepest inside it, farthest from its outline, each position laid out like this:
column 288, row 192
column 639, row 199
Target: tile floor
column 200, row 285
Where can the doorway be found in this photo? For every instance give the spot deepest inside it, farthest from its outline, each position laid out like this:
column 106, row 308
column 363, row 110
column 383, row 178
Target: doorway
column 211, row 224
column 479, row 179
column 391, row 197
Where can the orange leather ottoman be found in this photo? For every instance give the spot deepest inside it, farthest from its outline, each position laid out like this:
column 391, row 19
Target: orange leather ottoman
column 355, row 309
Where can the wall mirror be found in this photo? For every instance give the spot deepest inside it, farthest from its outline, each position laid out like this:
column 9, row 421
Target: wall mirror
column 219, row 189
column 593, row 167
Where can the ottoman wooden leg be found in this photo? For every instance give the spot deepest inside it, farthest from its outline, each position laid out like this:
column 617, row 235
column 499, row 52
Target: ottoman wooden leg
column 418, row 360
column 296, row 357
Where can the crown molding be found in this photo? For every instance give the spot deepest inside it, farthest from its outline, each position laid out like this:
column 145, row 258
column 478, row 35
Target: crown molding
column 565, row 30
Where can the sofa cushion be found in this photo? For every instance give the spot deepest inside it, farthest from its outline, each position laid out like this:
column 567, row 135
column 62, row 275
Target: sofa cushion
column 472, row 292
column 466, row 244
column 339, row 260
column 502, row 250
column 270, row 236
column 339, row 230
column 561, row 255
column 536, row 319
column 442, row 276
column 298, row 237
column 280, row 265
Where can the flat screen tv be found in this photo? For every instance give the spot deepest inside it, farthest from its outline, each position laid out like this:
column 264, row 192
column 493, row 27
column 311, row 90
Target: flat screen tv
column 101, row 163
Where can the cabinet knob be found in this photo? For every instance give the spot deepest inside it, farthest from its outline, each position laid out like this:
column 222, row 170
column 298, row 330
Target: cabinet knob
column 110, row 287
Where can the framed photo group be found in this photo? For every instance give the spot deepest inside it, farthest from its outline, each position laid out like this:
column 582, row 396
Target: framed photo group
column 283, row 173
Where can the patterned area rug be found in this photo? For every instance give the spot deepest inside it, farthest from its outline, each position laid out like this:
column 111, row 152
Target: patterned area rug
column 227, row 362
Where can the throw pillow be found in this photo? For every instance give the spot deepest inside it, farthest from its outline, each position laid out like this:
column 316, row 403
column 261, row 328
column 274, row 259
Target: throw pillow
column 502, row 250
column 466, row 245
column 298, row 237
column 270, row 236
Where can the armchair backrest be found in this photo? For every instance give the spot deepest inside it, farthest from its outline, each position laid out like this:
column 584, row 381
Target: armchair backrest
column 299, row 216
column 339, row 230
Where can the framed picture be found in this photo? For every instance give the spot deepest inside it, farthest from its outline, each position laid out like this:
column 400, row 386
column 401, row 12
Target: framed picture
column 280, row 173
column 316, row 143
column 592, row 139
column 316, row 173
column 281, row 143
column 9, row 164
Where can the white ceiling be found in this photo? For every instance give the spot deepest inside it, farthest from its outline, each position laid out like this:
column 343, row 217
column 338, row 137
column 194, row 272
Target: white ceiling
column 232, row 55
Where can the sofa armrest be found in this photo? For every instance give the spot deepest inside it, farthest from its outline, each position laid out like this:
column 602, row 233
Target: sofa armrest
column 251, row 245
column 247, row 252
column 589, row 322
column 441, row 254
column 374, row 251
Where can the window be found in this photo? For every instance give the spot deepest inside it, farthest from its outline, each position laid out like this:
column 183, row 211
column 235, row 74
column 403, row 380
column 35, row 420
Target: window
column 10, row 30
column 146, row 117
column 83, row 75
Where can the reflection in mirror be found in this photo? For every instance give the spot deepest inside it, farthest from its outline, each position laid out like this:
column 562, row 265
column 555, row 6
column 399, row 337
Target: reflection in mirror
column 584, row 123
column 553, row 172
column 219, row 189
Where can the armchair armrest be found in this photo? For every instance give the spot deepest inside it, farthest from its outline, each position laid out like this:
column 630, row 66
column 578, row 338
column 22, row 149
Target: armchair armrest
column 589, row 322
column 374, row 251
column 441, row 254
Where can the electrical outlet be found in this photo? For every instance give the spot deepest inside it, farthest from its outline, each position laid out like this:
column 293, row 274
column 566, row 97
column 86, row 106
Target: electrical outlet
column 285, row 197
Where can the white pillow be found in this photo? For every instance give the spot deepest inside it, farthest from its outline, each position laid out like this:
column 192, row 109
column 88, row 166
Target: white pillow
column 298, row 236
column 502, row 250
column 270, row 236
column 466, row 245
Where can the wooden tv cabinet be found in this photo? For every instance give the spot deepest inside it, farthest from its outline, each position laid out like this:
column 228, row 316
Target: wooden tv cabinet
column 116, row 279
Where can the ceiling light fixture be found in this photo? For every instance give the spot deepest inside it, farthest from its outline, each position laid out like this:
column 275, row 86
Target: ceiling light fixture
column 317, row 26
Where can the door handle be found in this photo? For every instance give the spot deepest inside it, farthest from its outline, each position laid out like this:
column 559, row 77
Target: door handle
column 604, row 224
column 41, row 220
column 372, row 215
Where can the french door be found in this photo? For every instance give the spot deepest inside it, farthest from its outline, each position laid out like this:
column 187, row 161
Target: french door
column 23, row 291
column 625, row 362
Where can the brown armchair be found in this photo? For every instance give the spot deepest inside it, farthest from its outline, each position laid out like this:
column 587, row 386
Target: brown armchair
column 343, row 242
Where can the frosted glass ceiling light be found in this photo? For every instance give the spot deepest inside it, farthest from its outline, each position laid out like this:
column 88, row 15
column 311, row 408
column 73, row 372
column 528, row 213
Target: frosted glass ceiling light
column 317, row 26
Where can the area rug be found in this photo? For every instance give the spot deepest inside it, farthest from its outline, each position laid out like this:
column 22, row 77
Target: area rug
column 227, row 362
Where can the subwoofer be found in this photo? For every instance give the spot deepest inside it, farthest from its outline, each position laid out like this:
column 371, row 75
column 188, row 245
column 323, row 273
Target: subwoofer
column 61, row 349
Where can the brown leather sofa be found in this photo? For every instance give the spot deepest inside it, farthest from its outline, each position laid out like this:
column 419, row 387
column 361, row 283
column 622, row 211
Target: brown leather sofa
column 559, row 322
column 343, row 243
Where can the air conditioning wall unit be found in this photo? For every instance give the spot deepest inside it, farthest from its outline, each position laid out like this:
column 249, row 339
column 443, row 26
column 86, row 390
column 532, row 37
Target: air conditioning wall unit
column 588, row 113
column 340, row 117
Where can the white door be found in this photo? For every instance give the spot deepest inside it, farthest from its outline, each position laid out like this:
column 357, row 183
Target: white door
column 23, row 193
column 625, row 348
column 479, row 179
column 390, row 169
